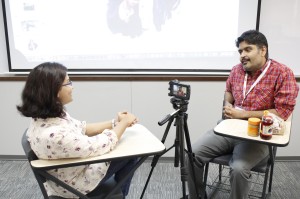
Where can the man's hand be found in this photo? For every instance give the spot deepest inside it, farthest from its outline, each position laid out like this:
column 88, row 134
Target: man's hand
column 232, row 113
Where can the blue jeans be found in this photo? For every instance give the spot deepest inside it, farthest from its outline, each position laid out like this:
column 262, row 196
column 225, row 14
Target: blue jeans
column 120, row 168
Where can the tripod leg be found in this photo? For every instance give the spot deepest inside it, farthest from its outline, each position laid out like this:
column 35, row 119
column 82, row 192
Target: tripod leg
column 177, row 144
column 180, row 134
column 190, row 152
column 149, row 176
column 153, row 164
column 156, row 157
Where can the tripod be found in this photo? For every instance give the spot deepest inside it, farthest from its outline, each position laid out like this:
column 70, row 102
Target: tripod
column 182, row 132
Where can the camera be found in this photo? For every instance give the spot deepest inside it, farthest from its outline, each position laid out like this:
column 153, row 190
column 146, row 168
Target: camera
column 179, row 91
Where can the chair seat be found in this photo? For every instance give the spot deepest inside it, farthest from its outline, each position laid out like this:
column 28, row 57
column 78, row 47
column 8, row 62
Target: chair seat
column 224, row 160
column 105, row 188
column 221, row 182
column 101, row 191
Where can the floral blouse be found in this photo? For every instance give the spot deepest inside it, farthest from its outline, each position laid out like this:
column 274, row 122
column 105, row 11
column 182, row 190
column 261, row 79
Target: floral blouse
column 56, row 138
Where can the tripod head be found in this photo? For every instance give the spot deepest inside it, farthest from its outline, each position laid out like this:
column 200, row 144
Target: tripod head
column 179, row 104
column 180, row 107
column 180, row 98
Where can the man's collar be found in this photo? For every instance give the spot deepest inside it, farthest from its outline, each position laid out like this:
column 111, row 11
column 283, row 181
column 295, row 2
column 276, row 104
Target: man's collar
column 258, row 72
column 265, row 65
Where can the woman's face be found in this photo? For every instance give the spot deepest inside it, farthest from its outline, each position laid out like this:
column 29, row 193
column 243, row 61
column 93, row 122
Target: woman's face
column 65, row 92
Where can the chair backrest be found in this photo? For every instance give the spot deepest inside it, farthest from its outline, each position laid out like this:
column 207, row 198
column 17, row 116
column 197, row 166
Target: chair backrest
column 30, row 155
column 223, row 116
column 27, row 149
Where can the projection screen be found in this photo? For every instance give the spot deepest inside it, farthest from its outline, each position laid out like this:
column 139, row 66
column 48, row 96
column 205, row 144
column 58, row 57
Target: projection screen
column 127, row 35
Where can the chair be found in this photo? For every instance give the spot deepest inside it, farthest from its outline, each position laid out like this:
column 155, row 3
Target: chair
column 137, row 136
column 103, row 190
column 262, row 174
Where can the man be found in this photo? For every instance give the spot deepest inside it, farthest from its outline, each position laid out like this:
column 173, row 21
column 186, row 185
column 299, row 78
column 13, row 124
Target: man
column 256, row 84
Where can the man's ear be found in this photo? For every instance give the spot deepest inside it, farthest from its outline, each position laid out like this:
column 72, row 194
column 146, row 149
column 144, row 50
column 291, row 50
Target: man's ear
column 263, row 51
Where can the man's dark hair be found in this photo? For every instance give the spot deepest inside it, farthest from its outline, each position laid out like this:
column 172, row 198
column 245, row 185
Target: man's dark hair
column 253, row 37
column 40, row 94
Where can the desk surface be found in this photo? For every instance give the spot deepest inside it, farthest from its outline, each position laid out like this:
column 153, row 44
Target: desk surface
column 236, row 128
column 136, row 141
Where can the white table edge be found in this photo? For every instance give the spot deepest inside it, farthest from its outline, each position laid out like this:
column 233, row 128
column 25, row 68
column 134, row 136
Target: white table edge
column 138, row 135
column 237, row 132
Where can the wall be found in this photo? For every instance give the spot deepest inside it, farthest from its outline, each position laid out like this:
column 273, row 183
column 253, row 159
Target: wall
column 280, row 22
column 96, row 101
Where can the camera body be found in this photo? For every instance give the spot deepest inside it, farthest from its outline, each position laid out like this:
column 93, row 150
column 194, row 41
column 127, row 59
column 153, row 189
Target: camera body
column 179, row 91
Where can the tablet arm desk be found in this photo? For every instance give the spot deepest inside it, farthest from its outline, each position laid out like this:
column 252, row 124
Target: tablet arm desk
column 137, row 141
column 237, row 129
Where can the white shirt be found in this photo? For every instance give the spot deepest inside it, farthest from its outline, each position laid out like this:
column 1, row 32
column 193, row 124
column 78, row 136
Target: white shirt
column 56, row 138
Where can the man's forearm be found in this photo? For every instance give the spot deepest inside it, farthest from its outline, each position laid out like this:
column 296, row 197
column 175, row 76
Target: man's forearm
column 257, row 114
column 228, row 98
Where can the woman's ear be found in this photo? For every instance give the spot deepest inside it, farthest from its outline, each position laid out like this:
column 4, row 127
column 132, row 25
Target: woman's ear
column 59, row 92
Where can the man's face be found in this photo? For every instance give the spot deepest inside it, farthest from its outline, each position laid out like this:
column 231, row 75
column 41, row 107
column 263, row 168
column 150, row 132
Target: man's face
column 252, row 57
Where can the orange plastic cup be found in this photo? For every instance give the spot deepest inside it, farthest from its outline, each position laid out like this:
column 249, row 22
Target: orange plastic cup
column 253, row 126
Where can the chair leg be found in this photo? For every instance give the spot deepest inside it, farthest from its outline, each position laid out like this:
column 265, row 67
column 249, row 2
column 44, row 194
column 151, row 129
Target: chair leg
column 272, row 169
column 205, row 175
column 220, row 172
column 263, row 195
column 271, row 177
column 40, row 182
column 269, row 171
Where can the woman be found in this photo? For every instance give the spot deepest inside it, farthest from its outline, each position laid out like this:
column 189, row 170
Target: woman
column 54, row 134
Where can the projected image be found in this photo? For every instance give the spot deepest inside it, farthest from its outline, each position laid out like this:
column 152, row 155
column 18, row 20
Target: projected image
column 123, row 17
column 124, row 34
column 133, row 17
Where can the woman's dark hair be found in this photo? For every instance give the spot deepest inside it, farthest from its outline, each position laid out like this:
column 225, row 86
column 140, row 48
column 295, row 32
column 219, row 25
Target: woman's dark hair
column 253, row 37
column 40, row 94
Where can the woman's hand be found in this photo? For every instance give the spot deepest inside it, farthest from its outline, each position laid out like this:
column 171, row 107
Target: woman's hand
column 127, row 117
